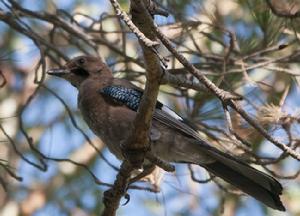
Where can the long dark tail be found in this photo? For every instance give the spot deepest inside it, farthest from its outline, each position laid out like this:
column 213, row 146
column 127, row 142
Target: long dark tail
column 251, row 181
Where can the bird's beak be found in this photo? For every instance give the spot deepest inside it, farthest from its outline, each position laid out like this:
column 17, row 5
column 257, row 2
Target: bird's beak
column 58, row 71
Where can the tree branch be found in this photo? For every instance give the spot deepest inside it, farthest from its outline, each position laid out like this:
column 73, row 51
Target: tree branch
column 137, row 145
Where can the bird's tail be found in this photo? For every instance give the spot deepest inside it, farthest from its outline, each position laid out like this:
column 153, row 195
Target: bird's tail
column 249, row 180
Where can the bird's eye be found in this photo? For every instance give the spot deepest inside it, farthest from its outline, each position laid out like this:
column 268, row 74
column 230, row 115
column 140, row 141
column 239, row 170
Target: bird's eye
column 81, row 61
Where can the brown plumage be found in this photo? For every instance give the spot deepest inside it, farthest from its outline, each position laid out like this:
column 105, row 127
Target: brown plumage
column 171, row 138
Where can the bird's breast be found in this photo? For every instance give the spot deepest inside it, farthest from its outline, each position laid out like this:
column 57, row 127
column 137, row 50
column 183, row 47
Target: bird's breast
column 109, row 122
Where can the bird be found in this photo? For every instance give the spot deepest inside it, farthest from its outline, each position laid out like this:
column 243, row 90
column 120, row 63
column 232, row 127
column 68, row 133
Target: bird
column 109, row 106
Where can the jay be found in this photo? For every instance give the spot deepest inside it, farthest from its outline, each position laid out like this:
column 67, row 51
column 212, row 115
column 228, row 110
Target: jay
column 109, row 105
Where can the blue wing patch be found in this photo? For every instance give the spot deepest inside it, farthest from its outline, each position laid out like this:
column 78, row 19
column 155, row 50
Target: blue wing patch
column 132, row 98
column 129, row 97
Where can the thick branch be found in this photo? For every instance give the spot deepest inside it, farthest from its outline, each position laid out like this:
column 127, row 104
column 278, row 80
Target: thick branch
column 137, row 145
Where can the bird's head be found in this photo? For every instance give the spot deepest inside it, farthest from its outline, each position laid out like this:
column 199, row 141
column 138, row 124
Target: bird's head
column 79, row 69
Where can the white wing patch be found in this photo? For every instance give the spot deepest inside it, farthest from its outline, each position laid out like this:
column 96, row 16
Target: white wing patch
column 171, row 113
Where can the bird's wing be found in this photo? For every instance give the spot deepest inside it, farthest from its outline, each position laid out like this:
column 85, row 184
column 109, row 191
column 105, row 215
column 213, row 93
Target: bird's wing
column 168, row 117
column 131, row 98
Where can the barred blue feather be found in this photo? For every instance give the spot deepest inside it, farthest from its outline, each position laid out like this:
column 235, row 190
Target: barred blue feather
column 129, row 97
column 132, row 98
